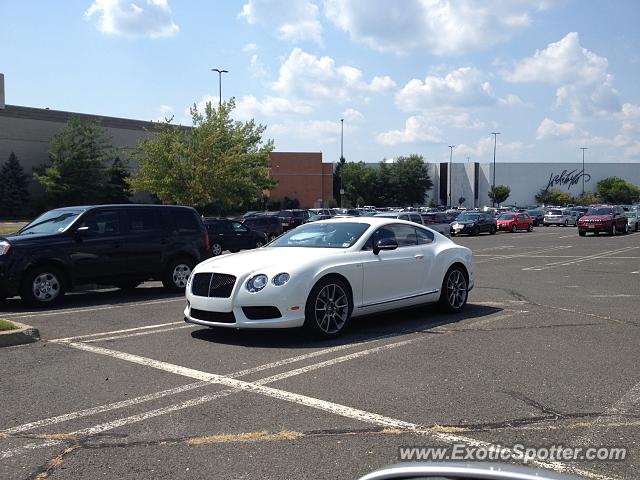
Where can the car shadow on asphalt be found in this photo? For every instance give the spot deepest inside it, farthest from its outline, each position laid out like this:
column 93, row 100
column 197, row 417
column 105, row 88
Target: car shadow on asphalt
column 94, row 298
column 362, row 329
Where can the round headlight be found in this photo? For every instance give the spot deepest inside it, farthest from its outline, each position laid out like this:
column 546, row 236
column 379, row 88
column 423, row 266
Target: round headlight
column 280, row 279
column 257, row 283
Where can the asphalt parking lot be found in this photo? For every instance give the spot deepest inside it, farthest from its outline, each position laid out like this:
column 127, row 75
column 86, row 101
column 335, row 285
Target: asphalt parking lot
column 546, row 352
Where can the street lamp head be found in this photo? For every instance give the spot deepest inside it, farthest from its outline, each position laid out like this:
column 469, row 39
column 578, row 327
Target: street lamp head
column 219, row 71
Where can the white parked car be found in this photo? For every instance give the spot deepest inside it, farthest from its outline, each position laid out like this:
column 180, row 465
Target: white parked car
column 556, row 216
column 633, row 219
column 321, row 274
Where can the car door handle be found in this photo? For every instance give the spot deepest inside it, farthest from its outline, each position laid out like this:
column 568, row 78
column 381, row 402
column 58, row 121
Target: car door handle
column 419, row 257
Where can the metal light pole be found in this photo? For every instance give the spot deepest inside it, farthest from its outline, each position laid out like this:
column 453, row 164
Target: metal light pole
column 341, row 159
column 451, row 147
column 220, row 72
column 583, row 149
column 493, row 183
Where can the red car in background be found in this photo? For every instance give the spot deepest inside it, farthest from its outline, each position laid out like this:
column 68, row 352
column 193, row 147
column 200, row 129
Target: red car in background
column 512, row 222
column 603, row 218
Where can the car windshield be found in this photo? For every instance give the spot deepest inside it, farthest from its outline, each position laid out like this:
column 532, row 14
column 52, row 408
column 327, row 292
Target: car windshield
column 599, row 211
column 54, row 221
column 322, row 235
column 468, row 217
column 506, row 217
column 554, row 212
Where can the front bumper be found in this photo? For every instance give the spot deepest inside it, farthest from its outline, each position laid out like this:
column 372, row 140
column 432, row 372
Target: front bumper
column 505, row 226
column 461, row 228
column 289, row 299
column 595, row 227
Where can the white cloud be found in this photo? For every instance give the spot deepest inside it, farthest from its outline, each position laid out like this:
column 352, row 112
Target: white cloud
column 352, row 115
column 316, row 132
column 249, row 106
column 250, row 48
column 461, row 88
column 140, row 18
column 164, row 111
column 512, row 100
column 630, row 117
column 294, row 20
column 438, row 26
column 256, row 67
column 549, row 128
column 583, row 82
column 305, row 76
column 416, row 130
column 483, row 149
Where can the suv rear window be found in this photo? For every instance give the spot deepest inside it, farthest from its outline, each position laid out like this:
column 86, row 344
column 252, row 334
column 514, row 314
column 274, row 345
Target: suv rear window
column 186, row 221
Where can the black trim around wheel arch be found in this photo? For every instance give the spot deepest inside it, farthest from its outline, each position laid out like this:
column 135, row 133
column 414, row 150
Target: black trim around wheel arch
column 430, row 292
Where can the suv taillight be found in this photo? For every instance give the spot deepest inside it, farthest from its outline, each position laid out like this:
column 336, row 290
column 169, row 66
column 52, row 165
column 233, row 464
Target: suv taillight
column 206, row 242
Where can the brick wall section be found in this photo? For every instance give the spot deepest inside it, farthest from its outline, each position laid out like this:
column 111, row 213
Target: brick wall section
column 303, row 176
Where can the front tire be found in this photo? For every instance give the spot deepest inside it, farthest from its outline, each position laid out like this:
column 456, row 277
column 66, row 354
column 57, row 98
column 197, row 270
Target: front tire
column 177, row 274
column 614, row 230
column 582, row 233
column 514, row 229
column 43, row 287
column 530, row 228
column 492, row 231
column 216, row 249
column 455, row 290
column 328, row 309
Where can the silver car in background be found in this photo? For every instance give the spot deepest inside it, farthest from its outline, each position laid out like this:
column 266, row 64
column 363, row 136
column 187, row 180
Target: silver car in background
column 559, row 217
column 633, row 219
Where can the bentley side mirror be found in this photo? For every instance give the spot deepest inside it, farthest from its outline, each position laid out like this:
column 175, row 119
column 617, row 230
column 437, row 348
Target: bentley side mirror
column 384, row 244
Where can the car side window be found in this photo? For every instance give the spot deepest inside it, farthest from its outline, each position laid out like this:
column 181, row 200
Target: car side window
column 141, row 220
column 424, row 236
column 102, row 224
column 238, row 227
column 186, row 221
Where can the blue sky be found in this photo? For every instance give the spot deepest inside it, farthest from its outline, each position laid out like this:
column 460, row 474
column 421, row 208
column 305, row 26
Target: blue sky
column 410, row 76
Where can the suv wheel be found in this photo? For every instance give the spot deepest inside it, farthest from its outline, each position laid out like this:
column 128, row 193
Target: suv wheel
column 492, row 231
column 216, row 249
column 177, row 274
column 272, row 237
column 43, row 286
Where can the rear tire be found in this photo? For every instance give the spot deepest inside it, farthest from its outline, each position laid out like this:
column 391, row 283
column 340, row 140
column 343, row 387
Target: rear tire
column 455, row 290
column 514, row 229
column 43, row 286
column 272, row 237
column 177, row 274
column 328, row 309
column 492, row 231
column 259, row 244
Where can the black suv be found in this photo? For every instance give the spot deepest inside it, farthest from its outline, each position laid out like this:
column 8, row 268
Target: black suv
column 292, row 218
column 225, row 234
column 268, row 224
column 121, row 245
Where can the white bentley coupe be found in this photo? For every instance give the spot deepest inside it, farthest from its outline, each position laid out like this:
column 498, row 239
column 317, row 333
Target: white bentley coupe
column 321, row 274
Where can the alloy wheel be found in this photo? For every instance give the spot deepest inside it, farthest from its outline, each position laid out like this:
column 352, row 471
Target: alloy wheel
column 181, row 274
column 456, row 289
column 216, row 249
column 46, row 287
column 331, row 308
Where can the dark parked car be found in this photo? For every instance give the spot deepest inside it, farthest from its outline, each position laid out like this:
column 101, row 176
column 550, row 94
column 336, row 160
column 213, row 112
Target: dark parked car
column 121, row 245
column 225, row 234
column 605, row 218
column 537, row 215
column 474, row 223
column 268, row 224
column 292, row 218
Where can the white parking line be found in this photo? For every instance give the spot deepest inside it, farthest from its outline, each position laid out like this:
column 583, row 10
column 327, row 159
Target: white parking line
column 525, row 254
column 138, row 334
column 316, row 403
column 91, row 309
column 581, row 259
column 113, row 332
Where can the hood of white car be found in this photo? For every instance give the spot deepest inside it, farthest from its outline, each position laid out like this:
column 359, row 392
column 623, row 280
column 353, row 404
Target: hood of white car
column 263, row 258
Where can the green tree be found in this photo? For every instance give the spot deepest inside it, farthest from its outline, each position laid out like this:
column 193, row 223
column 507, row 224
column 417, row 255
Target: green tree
column 80, row 170
column 117, row 190
column 499, row 193
column 588, row 198
column 617, row 190
column 554, row 196
column 219, row 162
column 359, row 183
column 14, row 195
column 409, row 180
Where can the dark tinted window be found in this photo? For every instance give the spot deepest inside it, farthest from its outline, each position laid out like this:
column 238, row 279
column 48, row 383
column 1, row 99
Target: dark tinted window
column 186, row 221
column 102, row 223
column 141, row 220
